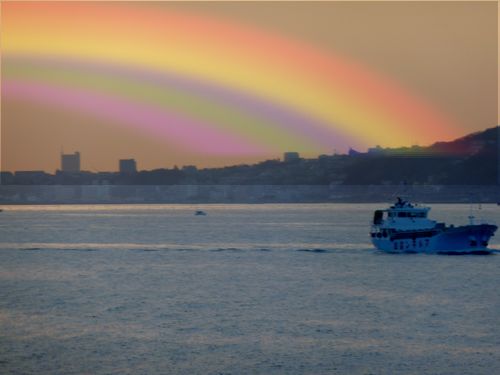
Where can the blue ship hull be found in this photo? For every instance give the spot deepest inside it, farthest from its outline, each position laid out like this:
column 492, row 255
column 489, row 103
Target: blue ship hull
column 448, row 240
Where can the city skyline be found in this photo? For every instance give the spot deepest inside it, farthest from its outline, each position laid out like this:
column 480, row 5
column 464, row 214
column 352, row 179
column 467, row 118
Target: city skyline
column 72, row 161
column 471, row 159
column 232, row 83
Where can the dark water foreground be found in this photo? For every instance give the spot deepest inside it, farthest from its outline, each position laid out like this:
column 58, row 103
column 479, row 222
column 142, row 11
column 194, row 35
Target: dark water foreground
column 268, row 289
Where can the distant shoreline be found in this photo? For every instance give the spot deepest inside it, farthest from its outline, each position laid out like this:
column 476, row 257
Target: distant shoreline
column 224, row 203
column 242, row 194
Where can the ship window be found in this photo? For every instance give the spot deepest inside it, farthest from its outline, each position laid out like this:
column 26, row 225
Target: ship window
column 378, row 217
column 411, row 214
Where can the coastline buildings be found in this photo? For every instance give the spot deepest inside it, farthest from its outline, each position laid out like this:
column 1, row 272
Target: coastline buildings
column 291, row 156
column 127, row 166
column 70, row 162
column 470, row 160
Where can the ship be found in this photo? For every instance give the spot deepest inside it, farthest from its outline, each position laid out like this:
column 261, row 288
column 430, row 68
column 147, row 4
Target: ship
column 405, row 227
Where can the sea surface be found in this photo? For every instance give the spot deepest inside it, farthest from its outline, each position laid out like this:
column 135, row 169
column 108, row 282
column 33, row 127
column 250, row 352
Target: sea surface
column 247, row 289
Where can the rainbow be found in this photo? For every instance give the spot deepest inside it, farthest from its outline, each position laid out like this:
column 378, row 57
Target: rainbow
column 204, row 84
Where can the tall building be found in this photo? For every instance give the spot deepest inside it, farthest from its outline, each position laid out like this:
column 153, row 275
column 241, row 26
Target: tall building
column 291, row 156
column 70, row 162
column 128, row 166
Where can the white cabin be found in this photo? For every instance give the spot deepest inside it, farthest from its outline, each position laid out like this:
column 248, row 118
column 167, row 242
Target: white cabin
column 403, row 216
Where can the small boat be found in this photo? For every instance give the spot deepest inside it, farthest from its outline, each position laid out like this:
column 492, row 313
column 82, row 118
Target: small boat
column 200, row 213
column 405, row 227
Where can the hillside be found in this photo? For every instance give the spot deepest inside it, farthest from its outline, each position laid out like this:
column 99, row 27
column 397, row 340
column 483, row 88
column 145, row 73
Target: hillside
column 469, row 160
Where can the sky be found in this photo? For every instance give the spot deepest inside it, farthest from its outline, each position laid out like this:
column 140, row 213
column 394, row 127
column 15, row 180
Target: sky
column 223, row 83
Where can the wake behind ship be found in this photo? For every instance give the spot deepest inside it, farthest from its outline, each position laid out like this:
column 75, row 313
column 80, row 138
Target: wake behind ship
column 405, row 227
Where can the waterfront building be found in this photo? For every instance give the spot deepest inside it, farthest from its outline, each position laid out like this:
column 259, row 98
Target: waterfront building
column 128, row 166
column 291, row 156
column 70, row 162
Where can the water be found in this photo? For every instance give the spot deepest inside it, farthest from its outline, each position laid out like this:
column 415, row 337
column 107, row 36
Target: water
column 248, row 289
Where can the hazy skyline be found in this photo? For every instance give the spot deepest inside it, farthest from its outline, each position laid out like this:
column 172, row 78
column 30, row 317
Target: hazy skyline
column 165, row 84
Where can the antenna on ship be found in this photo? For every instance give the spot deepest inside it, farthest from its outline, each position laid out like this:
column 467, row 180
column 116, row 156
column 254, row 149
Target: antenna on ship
column 471, row 217
column 479, row 208
column 402, row 192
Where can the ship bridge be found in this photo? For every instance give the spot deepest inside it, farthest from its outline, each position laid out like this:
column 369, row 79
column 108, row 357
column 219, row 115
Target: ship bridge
column 403, row 215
